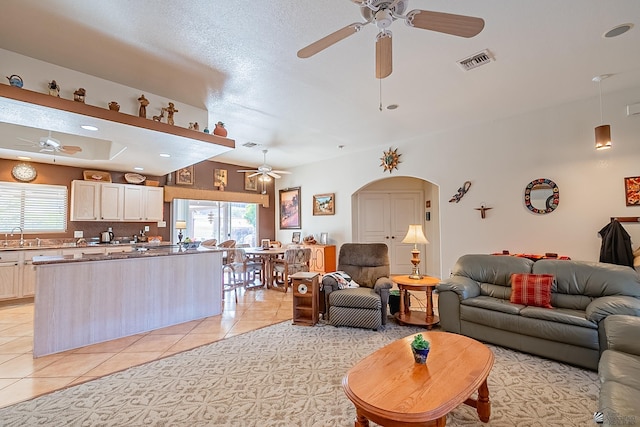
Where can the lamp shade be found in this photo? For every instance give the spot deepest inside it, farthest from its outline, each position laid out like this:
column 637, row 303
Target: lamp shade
column 415, row 235
column 181, row 225
column 603, row 137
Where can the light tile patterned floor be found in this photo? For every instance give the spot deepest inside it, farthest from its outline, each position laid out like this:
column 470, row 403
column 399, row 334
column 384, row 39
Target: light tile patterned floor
column 23, row 377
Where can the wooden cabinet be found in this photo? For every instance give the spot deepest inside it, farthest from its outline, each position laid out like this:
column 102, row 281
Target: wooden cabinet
column 99, row 201
column 323, row 258
column 9, row 275
column 306, row 291
column 28, row 287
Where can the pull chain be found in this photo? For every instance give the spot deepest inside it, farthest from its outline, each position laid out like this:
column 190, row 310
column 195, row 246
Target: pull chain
column 380, row 107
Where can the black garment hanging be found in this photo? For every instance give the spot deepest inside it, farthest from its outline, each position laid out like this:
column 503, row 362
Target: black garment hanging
column 616, row 245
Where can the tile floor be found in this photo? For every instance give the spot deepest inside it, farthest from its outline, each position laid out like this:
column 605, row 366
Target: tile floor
column 23, row 377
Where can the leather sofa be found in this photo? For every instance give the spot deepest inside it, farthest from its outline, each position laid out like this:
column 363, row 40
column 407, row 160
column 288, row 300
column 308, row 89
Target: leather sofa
column 475, row 301
column 619, row 371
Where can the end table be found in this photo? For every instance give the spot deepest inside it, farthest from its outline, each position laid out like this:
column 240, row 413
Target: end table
column 412, row 317
column 306, row 290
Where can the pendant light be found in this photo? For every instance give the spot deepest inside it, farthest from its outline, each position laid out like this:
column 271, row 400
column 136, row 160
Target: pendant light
column 603, row 132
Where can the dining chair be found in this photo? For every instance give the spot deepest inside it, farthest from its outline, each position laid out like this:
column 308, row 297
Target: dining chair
column 293, row 261
column 211, row 243
column 239, row 268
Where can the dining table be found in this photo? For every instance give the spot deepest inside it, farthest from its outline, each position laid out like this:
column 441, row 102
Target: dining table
column 267, row 255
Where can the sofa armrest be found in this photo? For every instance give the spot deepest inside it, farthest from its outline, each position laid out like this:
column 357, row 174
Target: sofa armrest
column 623, row 333
column 602, row 307
column 463, row 286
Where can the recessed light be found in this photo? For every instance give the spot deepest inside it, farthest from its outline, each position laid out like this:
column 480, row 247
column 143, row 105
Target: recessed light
column 618, row 30
column 392, row 106
column 165, row 155
column 89, row 127
column 138, row 168
column 24, row 158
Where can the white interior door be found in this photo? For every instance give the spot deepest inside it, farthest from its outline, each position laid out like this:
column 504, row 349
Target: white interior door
column 385, row 218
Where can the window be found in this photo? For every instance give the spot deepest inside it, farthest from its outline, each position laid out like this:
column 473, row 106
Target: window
column 208, row 219
column 36, row 208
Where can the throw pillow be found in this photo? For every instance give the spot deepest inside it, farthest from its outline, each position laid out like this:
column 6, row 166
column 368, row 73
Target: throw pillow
column 532, row 289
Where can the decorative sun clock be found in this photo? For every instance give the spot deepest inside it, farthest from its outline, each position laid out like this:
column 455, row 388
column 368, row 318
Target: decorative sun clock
column 24, row 172
column 306, row 291
column 390, row 160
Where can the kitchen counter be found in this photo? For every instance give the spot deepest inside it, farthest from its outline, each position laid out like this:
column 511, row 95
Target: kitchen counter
column 137, row 252
column 30, row 246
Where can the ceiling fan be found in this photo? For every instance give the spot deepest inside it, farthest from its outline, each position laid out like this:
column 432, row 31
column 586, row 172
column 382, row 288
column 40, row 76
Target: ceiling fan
column 265, row 171
column 383, row 13
column 49, row 144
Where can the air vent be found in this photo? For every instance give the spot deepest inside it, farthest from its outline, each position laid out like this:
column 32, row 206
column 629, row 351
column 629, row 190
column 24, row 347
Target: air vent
column 476, row 60
column 249, row 144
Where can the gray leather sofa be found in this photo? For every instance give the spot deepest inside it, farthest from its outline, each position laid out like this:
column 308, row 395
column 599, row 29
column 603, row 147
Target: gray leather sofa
column 474, row 302
column 619, row 371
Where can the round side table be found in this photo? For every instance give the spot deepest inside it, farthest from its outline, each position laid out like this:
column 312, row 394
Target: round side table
column 412, row 317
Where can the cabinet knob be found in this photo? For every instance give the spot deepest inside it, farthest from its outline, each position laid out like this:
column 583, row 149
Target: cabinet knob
column 386, row 237
column 393, row 237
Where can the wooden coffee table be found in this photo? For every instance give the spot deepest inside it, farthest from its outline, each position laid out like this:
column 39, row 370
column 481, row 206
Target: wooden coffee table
column 389, row 388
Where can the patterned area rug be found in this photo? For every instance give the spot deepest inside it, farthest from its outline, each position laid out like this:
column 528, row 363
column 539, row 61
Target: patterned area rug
column 285, row 375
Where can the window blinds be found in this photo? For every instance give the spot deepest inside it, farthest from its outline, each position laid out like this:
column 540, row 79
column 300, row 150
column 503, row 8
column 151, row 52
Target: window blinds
column 37, row 208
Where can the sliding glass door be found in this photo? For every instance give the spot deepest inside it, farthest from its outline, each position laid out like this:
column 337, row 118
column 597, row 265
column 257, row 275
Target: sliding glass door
column 208, row 219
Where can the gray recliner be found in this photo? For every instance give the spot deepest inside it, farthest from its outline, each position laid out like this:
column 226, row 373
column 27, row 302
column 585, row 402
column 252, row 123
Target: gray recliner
column 365, row 306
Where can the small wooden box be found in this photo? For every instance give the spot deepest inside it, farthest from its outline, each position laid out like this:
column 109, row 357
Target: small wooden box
column 306, row 289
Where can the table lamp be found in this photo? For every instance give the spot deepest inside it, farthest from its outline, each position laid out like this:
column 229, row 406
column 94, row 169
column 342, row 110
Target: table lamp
column 415, row 235
column 180, row 225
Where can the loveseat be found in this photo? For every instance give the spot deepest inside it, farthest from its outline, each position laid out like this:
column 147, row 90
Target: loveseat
column 619, row 371
column 476, row 301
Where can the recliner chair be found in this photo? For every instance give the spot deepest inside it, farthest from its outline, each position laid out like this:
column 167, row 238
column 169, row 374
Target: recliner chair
column 365, row 306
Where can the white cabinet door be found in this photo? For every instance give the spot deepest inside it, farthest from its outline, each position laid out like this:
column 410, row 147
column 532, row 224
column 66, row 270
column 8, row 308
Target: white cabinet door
column 111, row 200
column 85, row 201
column 154, row 203
column 29, row 271
column 133, row 203
column 9, row 275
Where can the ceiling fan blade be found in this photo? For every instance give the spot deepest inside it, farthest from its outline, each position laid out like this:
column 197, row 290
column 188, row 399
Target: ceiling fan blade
column 70, row 149
column 274, row 175
column 456, row 25
column 329, row 40
column 383, row 55
column 254, row 174
column 282, row 172
column 247, row 170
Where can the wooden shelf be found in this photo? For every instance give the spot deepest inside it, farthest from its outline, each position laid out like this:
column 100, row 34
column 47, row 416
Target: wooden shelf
column 48, row 101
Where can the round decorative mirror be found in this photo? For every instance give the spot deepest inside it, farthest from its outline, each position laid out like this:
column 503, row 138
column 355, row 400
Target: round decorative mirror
column 541, row 196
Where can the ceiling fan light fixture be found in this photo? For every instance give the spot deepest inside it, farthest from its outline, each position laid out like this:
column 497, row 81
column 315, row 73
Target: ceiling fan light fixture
column 52, row 142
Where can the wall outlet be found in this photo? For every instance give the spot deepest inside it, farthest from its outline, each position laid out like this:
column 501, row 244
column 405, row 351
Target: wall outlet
column 162, row 224
column 78, row 234
column 146, row 228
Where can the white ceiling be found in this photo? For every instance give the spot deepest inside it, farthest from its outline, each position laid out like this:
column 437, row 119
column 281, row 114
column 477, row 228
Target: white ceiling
column 237, row 59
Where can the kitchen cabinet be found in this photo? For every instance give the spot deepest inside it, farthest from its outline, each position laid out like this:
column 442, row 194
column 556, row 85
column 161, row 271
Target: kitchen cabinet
column 9, row 275
column 99, row 201
column 323, row 258
column 28, row 282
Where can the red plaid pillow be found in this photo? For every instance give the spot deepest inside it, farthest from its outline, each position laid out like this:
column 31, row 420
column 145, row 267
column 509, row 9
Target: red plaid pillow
column 531, row 289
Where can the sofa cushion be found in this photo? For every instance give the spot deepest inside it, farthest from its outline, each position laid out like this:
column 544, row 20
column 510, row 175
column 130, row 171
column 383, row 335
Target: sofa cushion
column 561, row 315
column 620, row 367
column 531, row 289
column 356, row 298
column 496, row 304
column 619, row 403
column 494, row 269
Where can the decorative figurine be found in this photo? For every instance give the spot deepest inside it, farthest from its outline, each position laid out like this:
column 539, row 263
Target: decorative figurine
column 191, row 126
column 483, row 209
column 206, row 130
column 220, row 130
column 461, row 192
column 160, row 117
column 142, row 112
column 15, row 80
column 114, row 106
column 79, row 95
column 54, row 89
column 171, row 109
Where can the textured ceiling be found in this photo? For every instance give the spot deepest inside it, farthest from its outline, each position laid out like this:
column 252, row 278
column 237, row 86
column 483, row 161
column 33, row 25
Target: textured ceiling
column 237, row 59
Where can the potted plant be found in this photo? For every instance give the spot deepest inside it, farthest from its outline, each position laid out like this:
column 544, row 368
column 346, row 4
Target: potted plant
column 420, row 349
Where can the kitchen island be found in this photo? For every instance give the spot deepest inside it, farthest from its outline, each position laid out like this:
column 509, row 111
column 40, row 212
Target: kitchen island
column 88, row 298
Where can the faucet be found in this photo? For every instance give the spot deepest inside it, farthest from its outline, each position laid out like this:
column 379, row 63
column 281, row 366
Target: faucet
column 21, row 235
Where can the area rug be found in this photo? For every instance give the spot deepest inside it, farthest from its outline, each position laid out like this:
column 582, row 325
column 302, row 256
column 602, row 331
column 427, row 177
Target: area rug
column 285, row 375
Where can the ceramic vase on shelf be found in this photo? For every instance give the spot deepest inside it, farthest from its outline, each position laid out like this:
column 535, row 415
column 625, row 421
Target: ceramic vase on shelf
column 15, row 80
column 220, row 130
column 114, row 106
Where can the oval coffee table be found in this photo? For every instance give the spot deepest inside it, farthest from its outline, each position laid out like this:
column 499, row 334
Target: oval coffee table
column 389, row 388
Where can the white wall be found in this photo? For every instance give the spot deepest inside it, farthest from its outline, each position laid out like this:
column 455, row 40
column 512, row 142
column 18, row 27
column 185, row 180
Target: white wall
column 500, row 158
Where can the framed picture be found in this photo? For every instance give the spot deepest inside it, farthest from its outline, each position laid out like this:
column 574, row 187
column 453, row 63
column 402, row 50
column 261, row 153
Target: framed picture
column 220, row 178
column 324, row 238
column 184, row 176
column 250, row 182
column 632, row 190
column 290, row 208
column 296, row 237
column 324, row 204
